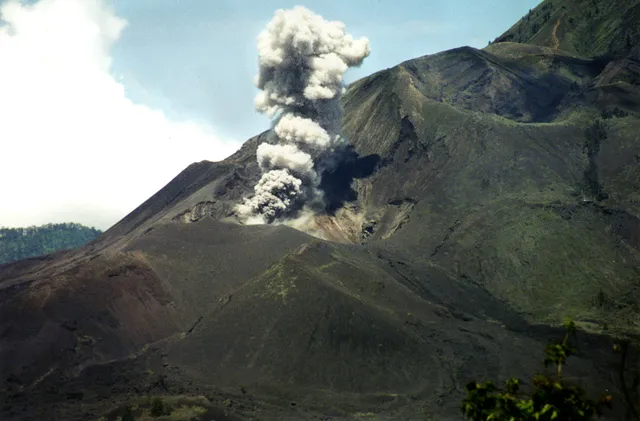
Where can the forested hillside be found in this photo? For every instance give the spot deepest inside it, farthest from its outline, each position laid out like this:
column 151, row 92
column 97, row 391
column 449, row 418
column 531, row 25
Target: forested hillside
column 20, row 243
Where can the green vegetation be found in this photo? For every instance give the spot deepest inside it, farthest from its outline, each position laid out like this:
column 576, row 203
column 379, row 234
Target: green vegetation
column 127, row 414
column 21, row 243
column 613, row 113
column 167, row 408
column 552, row 397
column 159, row 407
column 589, row 28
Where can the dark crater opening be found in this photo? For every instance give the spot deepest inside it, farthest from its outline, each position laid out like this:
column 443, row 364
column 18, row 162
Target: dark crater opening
column 336, row 180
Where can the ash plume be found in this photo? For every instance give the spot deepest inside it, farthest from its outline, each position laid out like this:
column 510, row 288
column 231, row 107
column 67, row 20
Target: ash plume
column 302, row 59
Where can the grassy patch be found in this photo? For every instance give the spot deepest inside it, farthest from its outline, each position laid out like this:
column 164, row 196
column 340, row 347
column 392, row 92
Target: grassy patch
column 551, row 263
column 162, row 408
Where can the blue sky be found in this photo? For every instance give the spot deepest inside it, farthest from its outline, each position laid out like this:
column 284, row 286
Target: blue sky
column 197, row 58
column 105, row 101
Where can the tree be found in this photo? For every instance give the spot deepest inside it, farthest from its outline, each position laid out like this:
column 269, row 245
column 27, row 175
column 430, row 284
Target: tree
column 552, row 397
column 159, row 407
column 21, row 243
column 127, row 414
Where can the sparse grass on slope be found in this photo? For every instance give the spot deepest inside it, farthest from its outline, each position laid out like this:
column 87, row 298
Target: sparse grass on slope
column 587, row 28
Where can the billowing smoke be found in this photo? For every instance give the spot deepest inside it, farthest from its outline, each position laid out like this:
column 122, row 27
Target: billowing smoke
column 302, row 59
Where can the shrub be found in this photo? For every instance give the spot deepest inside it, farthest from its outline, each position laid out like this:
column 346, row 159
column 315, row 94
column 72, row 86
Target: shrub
column 552, row 398
column 127, row 414
column 159, row 407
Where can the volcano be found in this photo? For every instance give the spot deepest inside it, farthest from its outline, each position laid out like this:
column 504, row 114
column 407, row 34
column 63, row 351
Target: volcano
column 484, row 197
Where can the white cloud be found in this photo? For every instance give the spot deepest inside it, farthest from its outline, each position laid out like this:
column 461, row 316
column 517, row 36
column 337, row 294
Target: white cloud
column 73, row 146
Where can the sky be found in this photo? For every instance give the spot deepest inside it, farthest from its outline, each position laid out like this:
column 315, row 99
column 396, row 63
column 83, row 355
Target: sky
column 103, row 102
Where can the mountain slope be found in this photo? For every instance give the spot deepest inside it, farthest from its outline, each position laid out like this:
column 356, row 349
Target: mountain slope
column 327, row 326
column 585, row 28
column 488, row 197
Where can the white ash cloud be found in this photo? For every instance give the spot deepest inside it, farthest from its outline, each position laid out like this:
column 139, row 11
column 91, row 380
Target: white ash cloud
column 292, row 128
column 302, row 60
column 285, row 156
column 276, row 191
